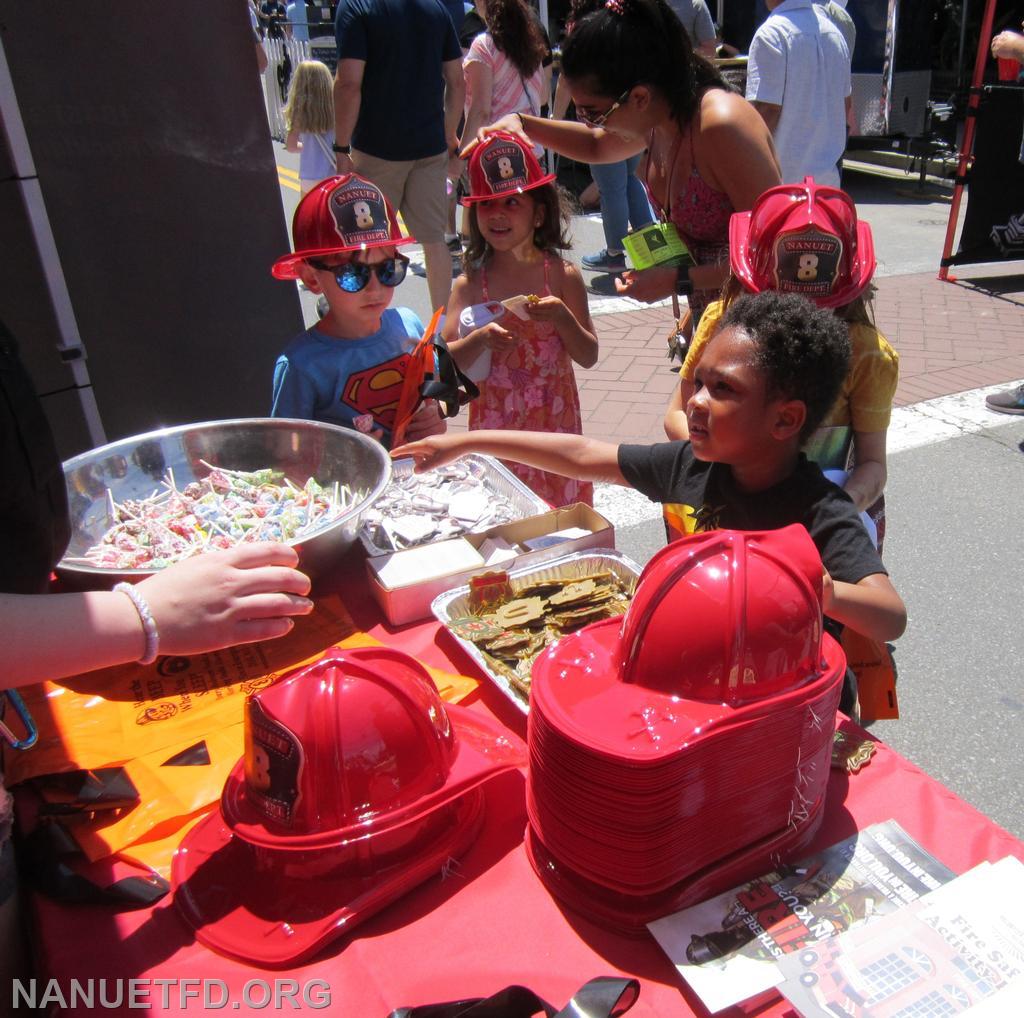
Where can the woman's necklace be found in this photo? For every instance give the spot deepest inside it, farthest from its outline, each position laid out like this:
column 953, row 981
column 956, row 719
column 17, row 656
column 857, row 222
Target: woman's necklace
column 669, row 139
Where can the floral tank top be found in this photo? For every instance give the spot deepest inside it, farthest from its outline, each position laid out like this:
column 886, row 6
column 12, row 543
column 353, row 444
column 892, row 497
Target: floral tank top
column 701, row 215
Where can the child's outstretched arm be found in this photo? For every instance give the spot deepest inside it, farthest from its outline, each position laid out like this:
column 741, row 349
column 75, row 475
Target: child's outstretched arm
column 570, row 314
column 870, row 606
column 569, row 455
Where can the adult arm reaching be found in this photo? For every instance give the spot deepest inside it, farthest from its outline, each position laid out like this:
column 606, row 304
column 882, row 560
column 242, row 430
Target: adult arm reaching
column 215, row 600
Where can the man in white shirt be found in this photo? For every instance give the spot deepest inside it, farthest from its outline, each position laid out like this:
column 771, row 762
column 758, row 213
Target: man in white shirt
column 798, row 78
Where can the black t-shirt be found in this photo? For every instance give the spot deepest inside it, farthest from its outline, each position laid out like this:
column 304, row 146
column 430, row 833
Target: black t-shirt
column 699, row 496
column 34, row 527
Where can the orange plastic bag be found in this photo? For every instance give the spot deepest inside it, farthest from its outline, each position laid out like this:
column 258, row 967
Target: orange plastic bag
column 125, row 713
column 876, row 676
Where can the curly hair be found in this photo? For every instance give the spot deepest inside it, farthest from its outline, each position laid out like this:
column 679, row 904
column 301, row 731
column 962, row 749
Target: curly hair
column 803, row 350
column 551, row 236
column 516, row 33
column 645, row 44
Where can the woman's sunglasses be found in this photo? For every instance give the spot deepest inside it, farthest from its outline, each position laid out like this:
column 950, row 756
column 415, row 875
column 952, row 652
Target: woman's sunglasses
column 585, row 116
column 353, row 276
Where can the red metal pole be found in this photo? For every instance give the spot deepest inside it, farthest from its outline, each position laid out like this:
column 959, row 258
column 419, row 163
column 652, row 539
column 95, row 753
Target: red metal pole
column 967, row 145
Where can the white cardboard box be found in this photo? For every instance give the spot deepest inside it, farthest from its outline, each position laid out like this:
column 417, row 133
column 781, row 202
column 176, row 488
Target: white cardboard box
column 411, row 602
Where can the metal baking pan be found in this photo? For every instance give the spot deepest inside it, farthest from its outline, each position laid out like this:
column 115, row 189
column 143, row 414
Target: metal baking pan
column 496, row 479
column 454, row 604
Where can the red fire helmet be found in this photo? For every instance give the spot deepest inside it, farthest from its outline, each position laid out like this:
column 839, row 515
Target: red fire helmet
column 806, row 239
column 723, row 627
column 357, row 783
column 348, row 213
column 503, row 165
column 727, row 616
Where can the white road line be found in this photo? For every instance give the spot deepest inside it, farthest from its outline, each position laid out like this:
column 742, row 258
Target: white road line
column 936, row 420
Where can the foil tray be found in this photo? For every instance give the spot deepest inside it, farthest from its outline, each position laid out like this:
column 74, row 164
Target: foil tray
column 454, row 604
column 496, row 478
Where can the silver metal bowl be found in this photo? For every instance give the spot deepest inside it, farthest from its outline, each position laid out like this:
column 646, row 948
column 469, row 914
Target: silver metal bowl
column 135, row 467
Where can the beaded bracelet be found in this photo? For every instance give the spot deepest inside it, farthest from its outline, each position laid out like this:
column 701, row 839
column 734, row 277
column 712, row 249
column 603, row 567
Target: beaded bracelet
column 148, row 625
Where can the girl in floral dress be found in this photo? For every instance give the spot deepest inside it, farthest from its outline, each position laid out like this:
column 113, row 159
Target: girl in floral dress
column 517, row 223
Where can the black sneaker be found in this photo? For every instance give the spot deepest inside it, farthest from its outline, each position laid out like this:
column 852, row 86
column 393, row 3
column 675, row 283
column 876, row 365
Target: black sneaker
column 1009, row 401
column 455, row 246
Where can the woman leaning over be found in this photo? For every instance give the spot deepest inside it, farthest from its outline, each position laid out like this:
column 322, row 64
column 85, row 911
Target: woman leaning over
column 637, row 84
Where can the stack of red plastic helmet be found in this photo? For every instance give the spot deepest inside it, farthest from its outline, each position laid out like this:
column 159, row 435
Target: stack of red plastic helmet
column 357, row 784
column 686, row 747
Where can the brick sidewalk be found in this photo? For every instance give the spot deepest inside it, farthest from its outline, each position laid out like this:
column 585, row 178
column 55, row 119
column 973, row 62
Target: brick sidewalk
column 950, row 337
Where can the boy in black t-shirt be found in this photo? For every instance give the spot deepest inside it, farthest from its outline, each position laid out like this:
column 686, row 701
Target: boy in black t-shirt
column 762, row 386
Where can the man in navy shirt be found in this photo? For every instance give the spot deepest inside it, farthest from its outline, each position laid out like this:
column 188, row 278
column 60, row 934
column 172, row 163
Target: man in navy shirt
column 398, row 97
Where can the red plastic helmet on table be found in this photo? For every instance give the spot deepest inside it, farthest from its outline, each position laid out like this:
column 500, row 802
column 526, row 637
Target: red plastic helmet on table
column 806, row 239
column 734, row 617
column 347, row 213
column 678, row 751
column 357, row 784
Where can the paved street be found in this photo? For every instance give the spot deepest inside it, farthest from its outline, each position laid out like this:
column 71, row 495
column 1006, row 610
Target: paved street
column 954, row 544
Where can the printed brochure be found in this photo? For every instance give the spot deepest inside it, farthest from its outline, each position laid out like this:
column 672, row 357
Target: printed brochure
column 728, row 948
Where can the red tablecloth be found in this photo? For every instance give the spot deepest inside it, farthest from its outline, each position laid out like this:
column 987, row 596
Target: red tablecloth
column 490, row 922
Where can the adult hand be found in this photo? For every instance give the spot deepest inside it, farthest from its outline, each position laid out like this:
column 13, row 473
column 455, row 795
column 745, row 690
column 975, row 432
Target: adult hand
column 511, row 124
column 456, row 164
column 222, row 598
column 343, row 163
column 426, row 421
column 429, row 453
column 647, row 285
column 1009, row 45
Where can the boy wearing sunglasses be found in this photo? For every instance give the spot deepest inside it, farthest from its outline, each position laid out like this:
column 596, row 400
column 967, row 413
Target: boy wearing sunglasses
column 348, row 368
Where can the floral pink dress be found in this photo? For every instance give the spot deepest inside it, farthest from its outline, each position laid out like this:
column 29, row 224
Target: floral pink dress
column 532, row 387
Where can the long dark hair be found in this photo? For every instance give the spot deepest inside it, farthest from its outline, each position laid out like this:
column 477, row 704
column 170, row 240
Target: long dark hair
column 516, row 33
column 639, row 42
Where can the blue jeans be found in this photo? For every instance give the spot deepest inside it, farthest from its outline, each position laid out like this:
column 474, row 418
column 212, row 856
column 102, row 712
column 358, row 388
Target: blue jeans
column 623, row 200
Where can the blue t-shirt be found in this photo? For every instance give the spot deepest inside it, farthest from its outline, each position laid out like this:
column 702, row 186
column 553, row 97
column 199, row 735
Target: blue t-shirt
column 404, row 43
column 321, row 378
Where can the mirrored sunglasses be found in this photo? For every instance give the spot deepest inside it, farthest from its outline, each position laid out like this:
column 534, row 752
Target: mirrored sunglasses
column 354, row 276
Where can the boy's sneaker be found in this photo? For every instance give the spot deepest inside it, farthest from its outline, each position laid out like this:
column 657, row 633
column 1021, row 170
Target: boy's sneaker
column 604, row 261
column 1009, row 401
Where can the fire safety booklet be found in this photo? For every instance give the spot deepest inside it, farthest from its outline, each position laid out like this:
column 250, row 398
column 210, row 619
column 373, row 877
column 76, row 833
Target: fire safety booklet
column 728, row 948
column 960, row 949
